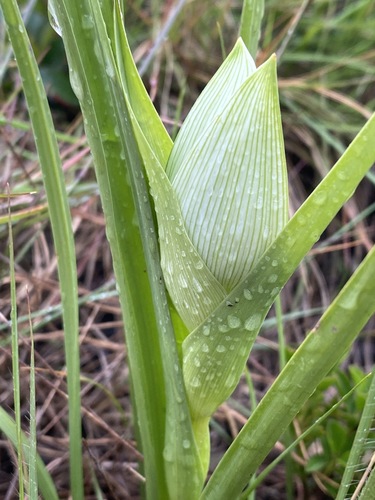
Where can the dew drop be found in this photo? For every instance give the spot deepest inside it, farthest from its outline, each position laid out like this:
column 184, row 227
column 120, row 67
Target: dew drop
column 186, row 444
column 220, row 348
column 342, row 175
column 197, row 285
column 230, row 380
column 195, row 382
column 272, row 278
column 223, row 328
column 87, row 22
column 53, row 17
column 182, row 281
column 206, row 330
column 253, row 322
column 320, row 198
column 76, row 84
column 247, row 294
column 205, row 348
column 234, row 321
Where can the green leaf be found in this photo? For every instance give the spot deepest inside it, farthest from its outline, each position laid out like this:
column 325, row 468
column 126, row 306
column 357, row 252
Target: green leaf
column 316, row 463
column 367, row 492
column 95, row 81
column 251, row 20
column 320, row 351
column 360, row 444
column 196, row 292
column 142, row 107
column 323, row 348
column 45, row 483
column 337, row 437
column 58, row 208
column 172, row 463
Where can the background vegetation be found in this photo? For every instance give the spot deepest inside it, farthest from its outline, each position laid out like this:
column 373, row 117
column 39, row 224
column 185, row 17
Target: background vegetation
column 326, row 55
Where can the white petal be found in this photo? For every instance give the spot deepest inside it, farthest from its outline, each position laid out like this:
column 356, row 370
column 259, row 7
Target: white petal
column 236, row 68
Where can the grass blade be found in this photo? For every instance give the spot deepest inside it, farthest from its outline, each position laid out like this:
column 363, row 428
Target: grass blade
column 15, row 361
column 47, row 148
column 367, row 493
column 359, row 443
column 266, row 471
column 32, row 455
column 251, row 20
column 45, row 483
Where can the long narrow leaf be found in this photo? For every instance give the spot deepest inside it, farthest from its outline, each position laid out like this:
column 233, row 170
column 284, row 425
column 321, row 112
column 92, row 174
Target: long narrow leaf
column 144, row 111
column 251, row 20
column 158, row 391
column 48, row 153
column 45, row 482
column 359, row 444
column 367, row 493
column 15, row 361
column 321, row 350
column 84, row 47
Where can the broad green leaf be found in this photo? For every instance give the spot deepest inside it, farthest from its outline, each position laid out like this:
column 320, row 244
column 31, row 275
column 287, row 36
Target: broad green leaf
column 236, row 68
column 185, row 466
column 322, row 349
column 196, row 292
column 232, row 185
column 154, row 149
column 116, row 158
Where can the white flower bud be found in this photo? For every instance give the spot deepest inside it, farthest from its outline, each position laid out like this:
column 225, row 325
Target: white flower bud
column 227, row 170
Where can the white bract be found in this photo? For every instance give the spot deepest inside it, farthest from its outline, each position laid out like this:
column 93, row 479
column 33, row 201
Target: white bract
column 227, row 172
